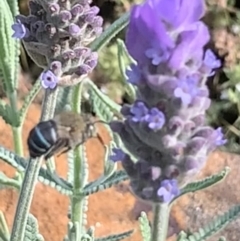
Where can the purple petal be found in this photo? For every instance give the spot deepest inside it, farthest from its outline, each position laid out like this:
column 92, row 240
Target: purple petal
column 20, row 31
column 48, row 79
column 168, row 190
column 118, row 155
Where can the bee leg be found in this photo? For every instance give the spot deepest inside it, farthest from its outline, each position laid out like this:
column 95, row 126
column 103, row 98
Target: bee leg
column 66, row 150
column 57, row 147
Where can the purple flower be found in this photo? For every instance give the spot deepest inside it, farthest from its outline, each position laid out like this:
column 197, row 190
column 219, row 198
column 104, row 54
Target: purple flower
column 139, row 111
column 157, row 56
column 219, row 137
column 146, row 31
column 74, row 29
column 189, row 49
column 118, row 155
column 168, row 190
column 176, row 13
column 20, row 31
column 187, row 89
column 134, row 75
column 48, row 79
column 155, row 25
column 155, row 119
column 210, row 62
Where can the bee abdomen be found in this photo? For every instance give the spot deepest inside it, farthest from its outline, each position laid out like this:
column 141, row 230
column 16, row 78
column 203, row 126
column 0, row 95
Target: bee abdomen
column 41, row 138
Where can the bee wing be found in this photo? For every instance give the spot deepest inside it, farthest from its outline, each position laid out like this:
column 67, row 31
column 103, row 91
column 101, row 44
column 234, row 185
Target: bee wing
column 58, row 147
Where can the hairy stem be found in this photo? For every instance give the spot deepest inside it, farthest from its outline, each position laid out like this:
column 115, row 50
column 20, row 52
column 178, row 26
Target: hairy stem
column 160, row 222
column 16, row 129
column 31, row 175
column 77, row 201
column 17, row 139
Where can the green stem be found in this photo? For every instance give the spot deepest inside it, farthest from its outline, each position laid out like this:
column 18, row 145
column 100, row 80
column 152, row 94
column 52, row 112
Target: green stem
column 110, row 32
column 16, row 129
column 31, row 175
column 17, row 139
column 77, row 201
column 160, row 222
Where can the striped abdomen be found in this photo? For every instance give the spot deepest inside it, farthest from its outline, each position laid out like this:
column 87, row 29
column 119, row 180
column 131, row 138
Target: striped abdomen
column 42, row 138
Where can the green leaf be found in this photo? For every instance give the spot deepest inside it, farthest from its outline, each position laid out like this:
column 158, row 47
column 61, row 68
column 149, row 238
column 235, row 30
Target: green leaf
column 124, row 61
column 9, row 49
column 109, row 166
column 5, row 181
column 15, row 11
column 45, row 177
column 110, row 32
column 63, row 99
column 222, row 239
column 116, row 237
column 70, row 161
column 31, row 231
column 28, row 100
column 104, row 107
column 94, row 186
column 4, row 231
column 205, row 183
column 13, row 7
column 144, row 227
column 5, row 112
column 213, row 227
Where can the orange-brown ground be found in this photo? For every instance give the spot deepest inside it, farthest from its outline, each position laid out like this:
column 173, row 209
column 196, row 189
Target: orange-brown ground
column 115, row 210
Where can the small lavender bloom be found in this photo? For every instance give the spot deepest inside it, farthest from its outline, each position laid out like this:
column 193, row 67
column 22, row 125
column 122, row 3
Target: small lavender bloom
column 20, row 31
column 219, row 137
column 210, row 62
column 139, row 111
column 187, row 89
column 134, row 75
column 118, row 155
column 155, row 119
column 48, row 79
column 168, row 190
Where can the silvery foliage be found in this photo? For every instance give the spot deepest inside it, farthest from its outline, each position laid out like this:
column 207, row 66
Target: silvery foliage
column 76, row 185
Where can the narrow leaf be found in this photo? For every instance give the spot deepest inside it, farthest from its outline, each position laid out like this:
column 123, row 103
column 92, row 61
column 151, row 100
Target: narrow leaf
column 32, row 231
column 205, row 183
column 63, row 99
column 110, row 32
column 7, row 47
column 28, row 100
column 9, row 182
column 124, row 61
column 44, row 176
column 144, row 227
column 4, row 231
column 94, row 187
column 5, row 111
column 104, row 107
column 215, row 226
column 116, row 237
column 13, row 7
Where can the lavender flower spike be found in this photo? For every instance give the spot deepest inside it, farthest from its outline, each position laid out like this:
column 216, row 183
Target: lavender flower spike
column 165, row 128
column 53, row 29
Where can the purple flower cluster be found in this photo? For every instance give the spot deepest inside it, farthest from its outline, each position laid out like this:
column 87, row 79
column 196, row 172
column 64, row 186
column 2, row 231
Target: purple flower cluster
column 165, row 128
column 55, row 35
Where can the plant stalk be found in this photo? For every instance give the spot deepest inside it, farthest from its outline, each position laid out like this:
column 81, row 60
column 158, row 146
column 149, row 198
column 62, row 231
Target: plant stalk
column 160, row 221
column 77, row 201
column 31, row 175
column 17, row 139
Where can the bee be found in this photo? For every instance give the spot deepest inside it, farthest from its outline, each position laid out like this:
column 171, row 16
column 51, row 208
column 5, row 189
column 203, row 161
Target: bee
column 64, row 132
